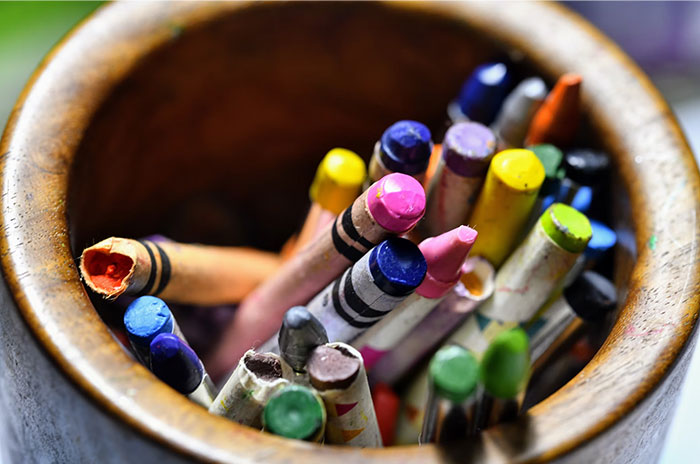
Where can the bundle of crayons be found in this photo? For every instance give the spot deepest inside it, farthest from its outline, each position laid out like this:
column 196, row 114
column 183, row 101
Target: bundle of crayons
column 331, row 330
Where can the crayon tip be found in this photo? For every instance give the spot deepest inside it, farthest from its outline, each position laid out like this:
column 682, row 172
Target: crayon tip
column 567, row 227
column 454, row 373
column 397, row 266
column 175, row 363
column 405, row 147
column 484, row 91
column 591, row 296
column 586, row 167
column 396, row 202
column 582, row 202
column 338, row 180
column 505, row 366
column 468, row 147
column 603, row 239
column 386, row 405
column 294, row 412
column 518, row 109
column 300, row 333
column 557, row 119
column 445, row 256
column 519, row 169
column 146, row 317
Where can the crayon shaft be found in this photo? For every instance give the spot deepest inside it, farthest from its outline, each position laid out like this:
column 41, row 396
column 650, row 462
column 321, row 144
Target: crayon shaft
column 205, row 393
column 377, row 170
column 428, row 433
column 548, row 327
column 177, row 272
column 451, row 198
column 491, row 410
column 316, row 221
column 142, row 351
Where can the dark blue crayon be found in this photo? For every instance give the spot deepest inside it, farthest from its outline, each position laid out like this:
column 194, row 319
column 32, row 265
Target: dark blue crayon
column 404, row 147
column 146, row 317
column 176, row 364
column 482, row 94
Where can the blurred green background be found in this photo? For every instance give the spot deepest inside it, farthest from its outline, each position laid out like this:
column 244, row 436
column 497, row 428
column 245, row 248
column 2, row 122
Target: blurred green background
column 664, row 38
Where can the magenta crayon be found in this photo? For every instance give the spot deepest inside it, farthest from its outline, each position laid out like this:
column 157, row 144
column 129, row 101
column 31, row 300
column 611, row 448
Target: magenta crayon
column 391, row 206
column 445, row 255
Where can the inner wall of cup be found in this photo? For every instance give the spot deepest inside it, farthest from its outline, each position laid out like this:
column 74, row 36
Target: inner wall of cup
column 214, row 137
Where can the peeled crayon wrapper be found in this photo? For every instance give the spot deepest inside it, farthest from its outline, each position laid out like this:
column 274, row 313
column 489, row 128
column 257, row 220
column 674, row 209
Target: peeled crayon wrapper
column 528, row 277
column 245, row 393
column 176, row 272
column 505, row 202
column 467, row 151
column 393, row 205
column 351, row 416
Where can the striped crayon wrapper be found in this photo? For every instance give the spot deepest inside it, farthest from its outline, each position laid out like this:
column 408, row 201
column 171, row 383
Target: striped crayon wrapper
column 522, row 285
column 176, row 272
column 390, row 206
column 475, row 286
column 351, row 416
column 245, row 393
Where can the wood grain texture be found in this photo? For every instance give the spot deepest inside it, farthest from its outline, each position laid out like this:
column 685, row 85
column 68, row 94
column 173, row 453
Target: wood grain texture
column 177, row 100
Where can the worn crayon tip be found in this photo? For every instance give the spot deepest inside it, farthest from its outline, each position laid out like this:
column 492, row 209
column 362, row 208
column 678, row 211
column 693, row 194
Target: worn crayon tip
column 405, row 147
column 602, row 240
column 454, row 373
column 445, row 256
column 567, row 227
column 483, row 92
column 519, row 169
column 396, row 202
column 468, row 148
column 300, row 333
column 338, row 180
column 557, row 119
column 333, row 367
column 146, row 317
column 505, row 365
column 591, row 296
column 106, row 271
column 175, row 363
column 294, row 412
column 397, row 266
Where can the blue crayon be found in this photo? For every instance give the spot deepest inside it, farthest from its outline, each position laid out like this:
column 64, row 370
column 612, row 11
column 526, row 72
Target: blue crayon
column 583, row 199
column 404, row 147
column 146, row 317
column 370, row 289
column 176, row 364
column 482, row 94
column 603, row 239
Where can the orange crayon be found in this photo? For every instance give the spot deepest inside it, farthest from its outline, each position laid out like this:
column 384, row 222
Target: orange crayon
column 557, row 119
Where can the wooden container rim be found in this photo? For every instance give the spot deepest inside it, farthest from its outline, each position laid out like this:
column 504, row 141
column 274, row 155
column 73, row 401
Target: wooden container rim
column 626, row 111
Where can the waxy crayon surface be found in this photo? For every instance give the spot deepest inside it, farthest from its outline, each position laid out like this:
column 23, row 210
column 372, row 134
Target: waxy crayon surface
column 405, row 147
column 484, row 91
column 173, row 362
column 396, row 202
column 146, row 317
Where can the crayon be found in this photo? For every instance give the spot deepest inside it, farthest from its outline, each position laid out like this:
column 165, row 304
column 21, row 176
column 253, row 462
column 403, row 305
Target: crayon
column 504, row 372
column 405, row 147
column 300, row 333
column 146, row 317
column 391, row 206
column 177, row 272
column 336, row 371
column 583, row 199
column 453, row 374
column 435, row 157
column 551, row 158
column 475, row 286
column 603, row 239
column 529, row 276
column 519, row 107
column 556, row 121
column 481, row 95
column 338, row 181
column 444, row 255
column 370, row 289
column 505, row 202
column 173, row 362
column 590, row 298
column 587, row 167
column 386, row 405
column 296, row 412
column 466, row 153
column 244, row 395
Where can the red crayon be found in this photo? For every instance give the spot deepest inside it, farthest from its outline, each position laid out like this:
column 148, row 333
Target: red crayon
column 386, row 406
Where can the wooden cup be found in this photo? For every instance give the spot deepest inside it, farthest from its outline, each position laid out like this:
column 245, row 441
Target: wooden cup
column 145, row 106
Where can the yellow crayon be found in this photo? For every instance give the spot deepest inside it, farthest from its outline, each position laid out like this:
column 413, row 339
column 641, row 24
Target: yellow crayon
column 505, row 202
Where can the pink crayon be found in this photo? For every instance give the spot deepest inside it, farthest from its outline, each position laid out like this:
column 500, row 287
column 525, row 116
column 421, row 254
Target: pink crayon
column 391, row 206
column 445, row 256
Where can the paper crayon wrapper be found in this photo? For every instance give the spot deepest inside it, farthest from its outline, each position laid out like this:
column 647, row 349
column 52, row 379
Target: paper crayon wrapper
column 351, row 417
column 244, row 395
